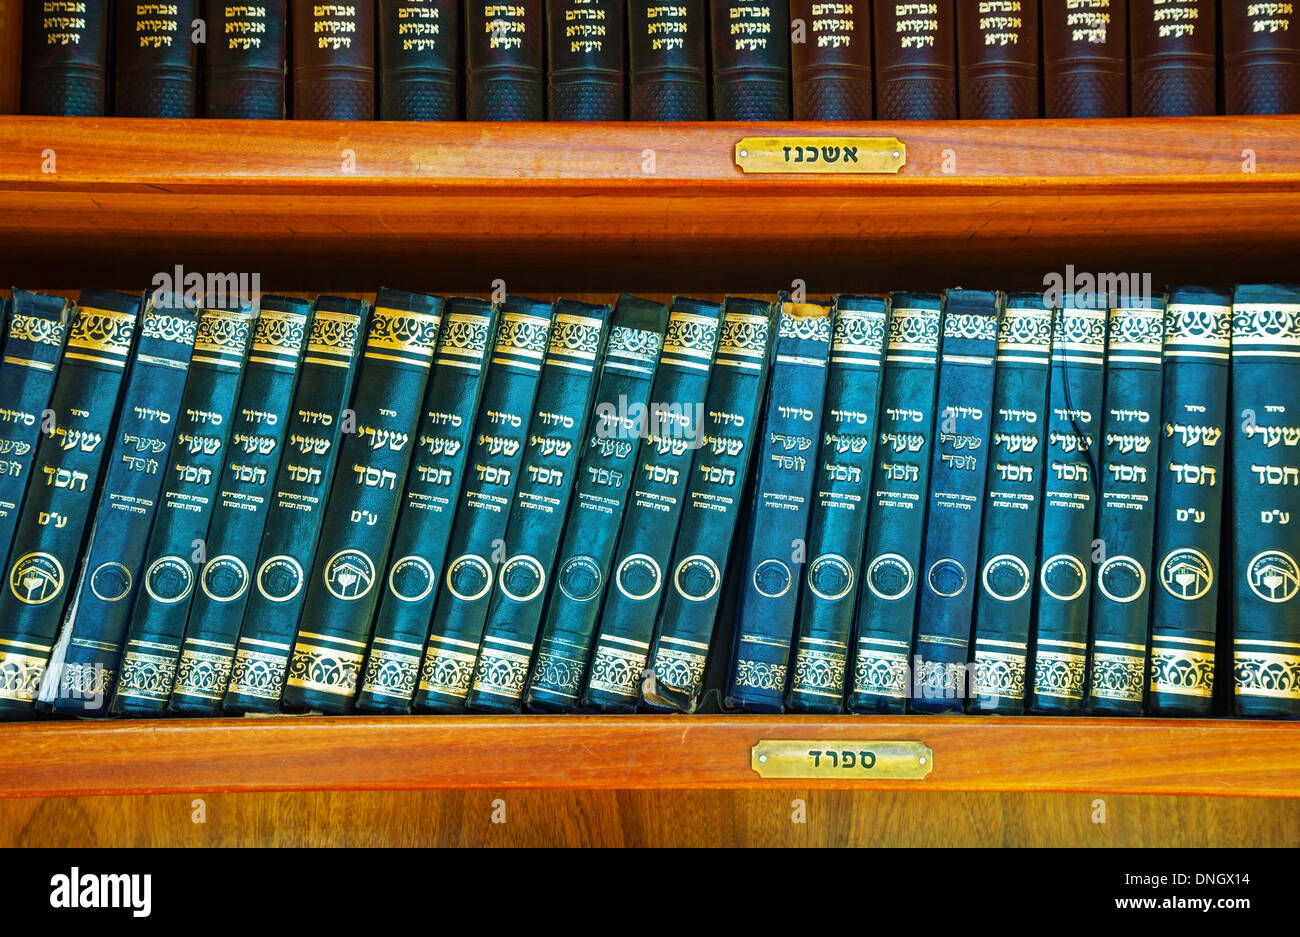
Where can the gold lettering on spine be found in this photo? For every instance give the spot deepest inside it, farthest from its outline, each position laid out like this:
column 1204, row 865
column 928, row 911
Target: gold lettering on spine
column 1088, row 21
column 505, row 25
column 917, row 25
column 667, row 27
column 334, row 24
column 1001, row 22
column 245, row 26
column 1270, row 17
column 585, row 27
column 832, row 25
column 1175, row 19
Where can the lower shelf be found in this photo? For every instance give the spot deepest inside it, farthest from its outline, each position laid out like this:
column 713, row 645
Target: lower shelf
column 1102, row 756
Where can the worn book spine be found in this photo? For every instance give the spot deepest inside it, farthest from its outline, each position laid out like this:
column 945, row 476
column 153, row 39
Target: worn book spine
column 1173, row 57
column 333, row 60
column 786, row 474
column 916, row 60
column 1130, row 451
column 1059, row 635
column 585, row 40
column 959, row 460
column 1261, row 58
column 342, row 592
column 900, row 481
column 503, row 61
column 751, row 60
column 65, row 58
column 618, row 422
column 1085, row 58
column 419, row 59
column 997, row 55
column 1189, row 502
column 157, row 59
column 1012, row 506
column 244, row 63
column 830, row 70
column 667, row 60
column 257, row 442
column 297, row 505
column 645, row 544
column 578, row 335
column 433, row 487
column 65, row 482
column 1266, row 501
column 501, row 432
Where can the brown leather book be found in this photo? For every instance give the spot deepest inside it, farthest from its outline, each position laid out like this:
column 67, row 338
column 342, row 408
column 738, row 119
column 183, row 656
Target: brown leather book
column 831, row 58
column 157, row 60
column 503, row 58
column 1173, row 57
column 585, row 59
column 1261, row 58
column 916, row 67
column 244, row 64
column 667, row 60
column 65, row 60
column 1085, row 58
column 751, row 60
column 333, row 60
column 997, row 59
column 419, row 60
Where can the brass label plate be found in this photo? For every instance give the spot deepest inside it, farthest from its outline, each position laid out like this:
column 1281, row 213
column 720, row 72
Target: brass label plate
column 837, row 759
column 821, row 154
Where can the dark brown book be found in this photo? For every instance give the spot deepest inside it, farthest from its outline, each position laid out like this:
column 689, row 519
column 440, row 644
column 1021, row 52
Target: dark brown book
column 503, row 59
column 65, row 59
column 1261, row 58
column 830, row 53
column 751, row 60
column 419, row 60
column 333, row 60
column 157, row 60
column 1085, row 58
column 916, row 67
column 245, row 60
column 667, row 60
column 585, row 59
column 1173, row 58
column 997, row 59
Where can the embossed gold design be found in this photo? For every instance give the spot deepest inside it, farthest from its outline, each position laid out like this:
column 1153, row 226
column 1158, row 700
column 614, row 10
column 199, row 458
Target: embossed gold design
column 1025, row 330
column 760, row 675
column 179, row 329
column 1182, row 672
column 617, row 671
column 324, row 669
column 805, row 321
column 966, row 325
column 1117, row 677
column 521, row 334
column 679, row 669
column 839, row 759
column 558, row 674
column 202, row 673
column 20, row 675
column 223, row 332
column 880, row 673
column 258, row 673
column 391, row 673
column 401, row 330
column 85, row 681
column 1059, row 673
column 914, row 330
column 104, row 330
column 1276, row 676
column 147, row 676
column 501, row 673
column 853, row 155
column 37, row 329
column 447, row 672
column 819, row 673
column 333, row 332
column 858, row 330
column 1000, row 674
column 276, row 331
column 744, row 334
column 464, row 334
column 640, row 344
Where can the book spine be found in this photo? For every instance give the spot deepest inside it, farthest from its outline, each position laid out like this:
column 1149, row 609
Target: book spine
column 585, row 56
column 419, row 60
column 776, row 545
column 916, row 67
column 496, row 461
column 157, row 61
column 1012, row 506
column 958, row 472
column 1189, row 502
column 541, row 502
column 997, row 48
column 1266, row 501
column 1085, row 58
column 65, row 59
column 831, row 60
column 333, row 60
column 433, row 487
column 357, row 529
column 751, row 60
column 645, row 544
column 595, row 514
column 503, row 59
column 238, row 517
column 1261, row 58
column 1173, row 58
column 65, row 481
column 1130, row 450
column 297, row 506
column 244, row 61
column 897, row 520
column 667, row 60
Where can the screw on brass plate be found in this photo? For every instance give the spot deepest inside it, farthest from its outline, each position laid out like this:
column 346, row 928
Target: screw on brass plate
column 744, row 153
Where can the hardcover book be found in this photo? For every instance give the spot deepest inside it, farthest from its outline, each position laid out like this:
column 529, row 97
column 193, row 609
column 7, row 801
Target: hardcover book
column 751, row 60
column 419, row 60
column 244, row 67
column 959, row 461
column 65, row 59
column 1173, row 58
column 1085, row 58
column 157, row 59
column 503, row 60
column 997, row 53
column 916, row 61
column 619, row 419
column 785, row 476
column 1261, row 58
column 333, row 60
column 831, row 60
column 667, row 60
column 585, row 59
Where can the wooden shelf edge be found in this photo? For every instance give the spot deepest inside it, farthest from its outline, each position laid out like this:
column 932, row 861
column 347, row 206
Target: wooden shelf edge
column 1073, row 755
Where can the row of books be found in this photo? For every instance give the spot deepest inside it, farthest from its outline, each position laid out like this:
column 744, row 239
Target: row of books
column 611, row 59
column 966, row 500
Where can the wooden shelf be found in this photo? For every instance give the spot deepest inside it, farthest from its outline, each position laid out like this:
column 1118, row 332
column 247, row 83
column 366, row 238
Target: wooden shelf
column 1101, row 756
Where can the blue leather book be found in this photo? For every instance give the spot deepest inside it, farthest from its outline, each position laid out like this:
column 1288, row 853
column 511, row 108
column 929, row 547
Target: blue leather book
column 1070, row 484
column 1265, row 504
column 297, row 506
column 830, row 582
column 84, row 669
column 619, row 420
column 560, row 414
column 959, row 462
column 375, row 450
column 177, row 542
column 1129, row 451
column 61, row 496
column 1012, row 506
column 896, row 524
column 776, row 542
column 433, row 487
column 1189, row 501
column 257, row 442
column 501, row 432
column 33, row 344
column 645, row 544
